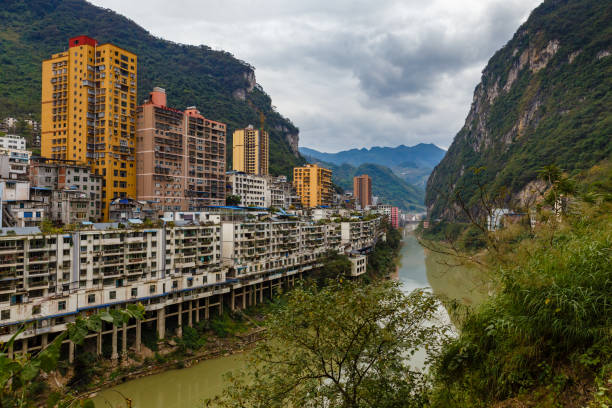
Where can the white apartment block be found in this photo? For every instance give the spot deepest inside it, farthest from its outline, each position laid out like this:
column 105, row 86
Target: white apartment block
column 12, row 142
column 251, row 188
column 181, row 272
column 14, row 164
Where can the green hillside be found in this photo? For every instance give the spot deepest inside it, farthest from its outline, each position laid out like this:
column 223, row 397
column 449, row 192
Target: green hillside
column 214, row 81
column 544, row 98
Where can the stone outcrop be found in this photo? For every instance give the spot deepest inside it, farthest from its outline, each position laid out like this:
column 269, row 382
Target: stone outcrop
column 529, row 110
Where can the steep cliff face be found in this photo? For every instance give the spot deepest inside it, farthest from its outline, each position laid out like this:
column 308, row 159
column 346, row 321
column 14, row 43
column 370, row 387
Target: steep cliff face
column 544, row 98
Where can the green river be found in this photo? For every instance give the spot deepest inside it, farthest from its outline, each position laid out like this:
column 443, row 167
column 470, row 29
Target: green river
column 187, row 388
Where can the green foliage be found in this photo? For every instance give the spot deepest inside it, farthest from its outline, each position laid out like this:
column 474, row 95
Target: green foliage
column 549, row 322
column 192, row 75
column 348, row 344
column 18, row 374
column 383, row 260
column 192, row 339
column 233, row 200
column 335, row 267
column 84, row 370
column 558, row 115
column 226, row 325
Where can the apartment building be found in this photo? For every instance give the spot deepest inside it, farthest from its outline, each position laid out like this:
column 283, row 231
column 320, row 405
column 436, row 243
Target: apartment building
column 14, row 164
column 362, row 190
column 395, row 217
column 74, row 192
column 313, row 184
column 12, row 142
column 89, row 113
column 358, row 235
column 250, row 151
column 180, row 157
column 281, row 194
column 252, row 189
column 180, row 273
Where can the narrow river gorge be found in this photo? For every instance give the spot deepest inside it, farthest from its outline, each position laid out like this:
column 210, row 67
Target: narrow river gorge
column 187, row 388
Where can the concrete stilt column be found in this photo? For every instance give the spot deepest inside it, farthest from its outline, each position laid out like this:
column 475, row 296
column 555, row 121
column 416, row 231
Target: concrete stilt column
column 206, row 308
column 220, row 305
column 99, row 343
column 179, row 329
column 114, row 355
column 261, row 292
column 190, row 319
column 244, row 294
column 124, row 341
column 138, row 335
column 251, row 300
column 233, row 302
column 70, row 352
column 24, row 348
column 198, row 307
column 44, row 340
column 161, row 323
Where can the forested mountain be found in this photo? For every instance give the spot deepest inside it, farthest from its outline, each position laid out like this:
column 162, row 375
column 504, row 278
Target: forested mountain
column 544, row 98
column 221, row 86
column 390, row 188
column 413, row 164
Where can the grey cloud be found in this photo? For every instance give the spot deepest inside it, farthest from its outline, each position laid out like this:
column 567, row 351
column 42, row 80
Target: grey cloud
column 351, row 73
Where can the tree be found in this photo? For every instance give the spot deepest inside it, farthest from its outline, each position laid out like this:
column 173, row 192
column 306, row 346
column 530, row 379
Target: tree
column 18, row 374
column 233, row 200
column 345, row 345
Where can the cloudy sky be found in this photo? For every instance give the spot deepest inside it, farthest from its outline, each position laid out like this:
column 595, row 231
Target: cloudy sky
column 350, row 73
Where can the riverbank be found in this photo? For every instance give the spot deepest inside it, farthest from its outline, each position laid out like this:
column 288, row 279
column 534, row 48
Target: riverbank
column 130, row 373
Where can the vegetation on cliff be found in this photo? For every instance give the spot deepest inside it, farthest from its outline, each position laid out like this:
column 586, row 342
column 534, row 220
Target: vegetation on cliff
column 544, row 338
column 544, row 98
column 221, row 86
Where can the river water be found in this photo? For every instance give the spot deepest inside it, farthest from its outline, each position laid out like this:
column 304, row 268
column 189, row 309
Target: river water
column 187, row 388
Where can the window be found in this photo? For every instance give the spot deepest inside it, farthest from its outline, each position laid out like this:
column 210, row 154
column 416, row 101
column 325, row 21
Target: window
column 112, row 295
column 36, row 309
column 5, row 315
column 61, row 305
column 134, row 292
column 152, row 289
column 91, row 298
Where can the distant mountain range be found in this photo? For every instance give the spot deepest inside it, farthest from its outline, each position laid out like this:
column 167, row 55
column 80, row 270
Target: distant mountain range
column 412, row 164
column 420, row 155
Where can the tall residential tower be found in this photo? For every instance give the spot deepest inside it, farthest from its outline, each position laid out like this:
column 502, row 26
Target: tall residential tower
column 313, row 184
column 250, row 151
column 180, row 157
column 362, row 190
column 89, row 113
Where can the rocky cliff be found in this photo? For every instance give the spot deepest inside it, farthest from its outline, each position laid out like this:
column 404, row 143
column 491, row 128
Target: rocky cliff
column 544, row 98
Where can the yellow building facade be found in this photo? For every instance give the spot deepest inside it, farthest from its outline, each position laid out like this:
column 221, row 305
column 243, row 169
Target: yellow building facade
column 313, row 184
column 250, row 151
column 89, row 113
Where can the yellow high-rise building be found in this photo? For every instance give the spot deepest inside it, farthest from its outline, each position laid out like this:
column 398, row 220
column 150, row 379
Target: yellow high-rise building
column 250, row 151
column 89, row 113
column 313, row 184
